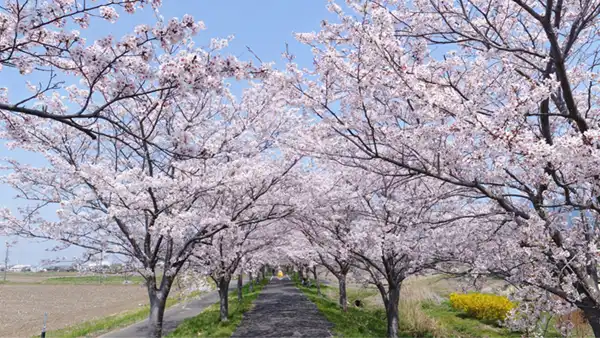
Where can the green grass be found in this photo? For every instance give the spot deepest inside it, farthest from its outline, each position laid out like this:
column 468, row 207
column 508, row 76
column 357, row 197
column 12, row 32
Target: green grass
column 100, row 326
column 462, row 326
column 103, row 325
column 459, row 325
column 370, row 321
column 207, row 323
column 95, row 279
column 353, row 294
column 354, row 323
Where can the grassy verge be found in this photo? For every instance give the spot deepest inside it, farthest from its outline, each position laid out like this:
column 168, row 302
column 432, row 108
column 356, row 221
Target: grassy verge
column 100, row 326
column 207, row 324
column 103, row 325
column 459, row 325
column 95, row 279
column 419, row 317
column 354, row 323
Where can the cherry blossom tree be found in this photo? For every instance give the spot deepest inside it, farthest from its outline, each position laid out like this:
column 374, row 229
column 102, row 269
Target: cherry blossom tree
column 255, row 211
column 498, row 98
column 153, row 187
column 385, row 225
column 318, row 217
column 337, row 261
column 389, row 234
column 300, row 253
column 256, row 264
column 38, row 39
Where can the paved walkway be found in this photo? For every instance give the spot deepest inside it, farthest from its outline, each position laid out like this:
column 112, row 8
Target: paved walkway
column 173, row 315
column 281, row 310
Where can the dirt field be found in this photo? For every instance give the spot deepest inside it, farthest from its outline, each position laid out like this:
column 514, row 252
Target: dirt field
column 23, row 305
column 33, row 277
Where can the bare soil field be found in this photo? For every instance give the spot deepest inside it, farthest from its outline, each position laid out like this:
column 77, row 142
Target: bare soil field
column 23, row 305
column 33, row 277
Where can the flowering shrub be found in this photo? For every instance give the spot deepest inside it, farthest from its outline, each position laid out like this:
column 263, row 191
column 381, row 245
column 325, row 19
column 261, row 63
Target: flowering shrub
column 482, row 306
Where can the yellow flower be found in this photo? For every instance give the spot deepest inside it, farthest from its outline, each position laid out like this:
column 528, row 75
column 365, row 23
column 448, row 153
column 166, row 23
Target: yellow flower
column 482, row 306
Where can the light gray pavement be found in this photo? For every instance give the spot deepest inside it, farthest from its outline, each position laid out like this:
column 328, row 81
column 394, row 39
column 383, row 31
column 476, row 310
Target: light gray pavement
column 173, row 315
column 281, row 310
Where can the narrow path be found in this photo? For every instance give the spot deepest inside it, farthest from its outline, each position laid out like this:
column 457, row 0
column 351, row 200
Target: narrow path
column 281, row 310
column 173, row 315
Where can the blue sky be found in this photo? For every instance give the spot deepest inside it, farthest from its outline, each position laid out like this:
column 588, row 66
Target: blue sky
column 263, row 25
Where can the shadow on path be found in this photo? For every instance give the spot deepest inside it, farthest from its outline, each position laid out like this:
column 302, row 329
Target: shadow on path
column 281, row 310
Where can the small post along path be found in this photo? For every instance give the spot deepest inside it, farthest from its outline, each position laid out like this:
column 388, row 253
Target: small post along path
column 281, row 310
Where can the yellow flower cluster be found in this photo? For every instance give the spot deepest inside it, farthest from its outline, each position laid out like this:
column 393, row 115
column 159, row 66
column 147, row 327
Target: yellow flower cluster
column 482, row 306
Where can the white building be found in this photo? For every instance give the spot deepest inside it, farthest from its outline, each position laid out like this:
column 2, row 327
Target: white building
column 19, row 268
column 38, row 269
column 97, row 265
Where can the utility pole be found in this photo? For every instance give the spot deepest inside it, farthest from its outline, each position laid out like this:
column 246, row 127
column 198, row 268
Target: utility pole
column 102, row 265
column 6, row 261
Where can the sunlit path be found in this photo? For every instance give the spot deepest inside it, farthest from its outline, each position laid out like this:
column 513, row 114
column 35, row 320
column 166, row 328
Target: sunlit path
column 282, row 310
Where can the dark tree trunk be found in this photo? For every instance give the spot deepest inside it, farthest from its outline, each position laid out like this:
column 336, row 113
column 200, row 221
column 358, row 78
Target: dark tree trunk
column 240, row 283
column 304, row 275
column 158, row 301
column 391, row 310
column 314, row 271
column 251, row 281
column 343, row 295
column 223, row 298
column 592, row 314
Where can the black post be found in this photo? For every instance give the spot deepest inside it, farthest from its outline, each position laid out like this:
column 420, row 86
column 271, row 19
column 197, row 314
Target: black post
column 44, row 327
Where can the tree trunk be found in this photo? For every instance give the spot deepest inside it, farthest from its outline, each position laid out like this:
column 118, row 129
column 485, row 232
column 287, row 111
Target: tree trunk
column 301, row 274
column 251, row 281
column 391, row 310
column 158, row 301
column 240, row 283
column 592, row 315
column 306, row 275
column 223, row 298
column 343, row 295
column 314, row 271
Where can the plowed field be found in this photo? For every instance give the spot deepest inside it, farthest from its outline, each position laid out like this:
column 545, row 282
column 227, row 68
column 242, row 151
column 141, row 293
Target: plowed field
column 22, row 306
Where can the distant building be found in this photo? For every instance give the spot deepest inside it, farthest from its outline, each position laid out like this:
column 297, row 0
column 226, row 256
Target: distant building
column 97, row 264
column 38, row 269
column 20, row 268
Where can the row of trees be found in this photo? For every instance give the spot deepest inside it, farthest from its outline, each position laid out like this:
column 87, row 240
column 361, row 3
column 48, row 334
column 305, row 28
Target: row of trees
column 150, row 157
column 383, row 228
column 428, row 135
column 495, row 102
